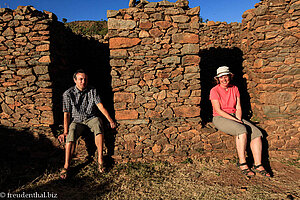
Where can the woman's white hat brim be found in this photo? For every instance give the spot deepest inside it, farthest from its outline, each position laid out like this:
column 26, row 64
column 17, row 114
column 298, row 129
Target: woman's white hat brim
column 223, row 74
column 223, row 70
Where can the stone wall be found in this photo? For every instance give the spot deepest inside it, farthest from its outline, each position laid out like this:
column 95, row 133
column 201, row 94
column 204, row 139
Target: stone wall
column 155, row 73
column 38, row 56
column 146, row 100
column 270, row 42
column 25, row 84
column 156, row 80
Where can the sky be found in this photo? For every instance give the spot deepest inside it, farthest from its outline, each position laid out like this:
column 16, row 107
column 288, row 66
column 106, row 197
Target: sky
column 79, row 10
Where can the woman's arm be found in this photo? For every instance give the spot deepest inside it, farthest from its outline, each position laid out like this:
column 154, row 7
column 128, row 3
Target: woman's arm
column 217, row 108
column 238, row 112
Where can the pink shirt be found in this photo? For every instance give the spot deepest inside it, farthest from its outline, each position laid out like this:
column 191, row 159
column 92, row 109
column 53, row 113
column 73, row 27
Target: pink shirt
column 227, row 99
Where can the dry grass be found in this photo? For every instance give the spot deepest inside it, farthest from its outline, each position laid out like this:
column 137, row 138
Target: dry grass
column 201, row 178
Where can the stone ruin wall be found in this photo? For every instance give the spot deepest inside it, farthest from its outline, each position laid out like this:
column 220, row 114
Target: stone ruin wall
column 155, row 51
column 222, row 38
column 25, row 83
column 155, row 79
column 270, row 42
column 38, row 56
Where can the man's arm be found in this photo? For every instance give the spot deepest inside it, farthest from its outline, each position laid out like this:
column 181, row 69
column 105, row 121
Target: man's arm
column 67, row 117
column 106, row 114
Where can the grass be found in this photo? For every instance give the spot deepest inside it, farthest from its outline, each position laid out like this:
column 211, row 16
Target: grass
column 32, row 164
column 88, row 27
column 207, row 178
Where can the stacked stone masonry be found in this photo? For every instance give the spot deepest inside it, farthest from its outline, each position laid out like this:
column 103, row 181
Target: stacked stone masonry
column 156, row 80
column 25, row 84
column 162, row 65
column 270, row 42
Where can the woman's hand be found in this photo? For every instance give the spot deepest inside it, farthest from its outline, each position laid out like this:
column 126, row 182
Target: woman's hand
column 240, row 121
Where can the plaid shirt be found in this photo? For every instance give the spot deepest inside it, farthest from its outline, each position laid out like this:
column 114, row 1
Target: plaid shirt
column 81, row 104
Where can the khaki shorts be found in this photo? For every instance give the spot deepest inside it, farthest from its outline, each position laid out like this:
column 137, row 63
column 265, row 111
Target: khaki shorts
column 75, row 129
column 234, row 128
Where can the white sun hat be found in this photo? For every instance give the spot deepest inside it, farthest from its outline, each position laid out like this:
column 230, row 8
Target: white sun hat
column 223, row 70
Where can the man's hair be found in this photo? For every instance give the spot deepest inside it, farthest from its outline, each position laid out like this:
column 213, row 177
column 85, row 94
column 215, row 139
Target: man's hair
column 77, row 72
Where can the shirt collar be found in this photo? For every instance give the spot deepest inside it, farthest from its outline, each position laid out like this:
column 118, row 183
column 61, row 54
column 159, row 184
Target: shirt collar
column 78, row 91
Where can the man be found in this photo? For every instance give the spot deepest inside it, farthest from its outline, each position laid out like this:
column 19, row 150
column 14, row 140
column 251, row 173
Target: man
column 80, row 104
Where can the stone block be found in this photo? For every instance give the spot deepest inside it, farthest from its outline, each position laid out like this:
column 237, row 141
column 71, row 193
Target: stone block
column 190, row 49
column 117, row 62
column 191, row 60
column 290, row 24
column 124, row 97
column 155, row 32
column 40, row 27
column 126, row 114
column 163, row 24
column 156, row 148
column 22, row 29
column 171, row 11
column 112, row 13
column 40, row 70
column 293, row 143
column 8, row 32
column 258, row 63
column 44, row 47
column 168, row 148
column 171, row 60
column 187, row 111
column 24, row 72
column 145, row 25
column 180, row 19
column 121, row 24
column 6, row 109
column 277, row 98
column 144, row 34
column 115, row 43
column 185, row 38
column 152, row 114
column 45, row 59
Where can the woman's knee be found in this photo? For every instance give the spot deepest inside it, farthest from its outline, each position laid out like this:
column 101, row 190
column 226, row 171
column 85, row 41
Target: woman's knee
column 242, row 135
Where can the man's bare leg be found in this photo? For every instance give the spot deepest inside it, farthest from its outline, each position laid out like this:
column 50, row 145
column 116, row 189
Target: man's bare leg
column 99, row 144
column 70, row 146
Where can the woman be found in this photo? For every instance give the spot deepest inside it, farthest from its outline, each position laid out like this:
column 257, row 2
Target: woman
column 227, row 117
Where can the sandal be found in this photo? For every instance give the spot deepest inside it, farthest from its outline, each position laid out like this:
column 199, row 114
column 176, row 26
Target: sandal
column 63, row 174
column 101, row 168
column 247, row 171
column 261, row 172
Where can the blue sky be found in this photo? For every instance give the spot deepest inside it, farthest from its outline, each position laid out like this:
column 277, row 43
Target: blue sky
column 77, row 10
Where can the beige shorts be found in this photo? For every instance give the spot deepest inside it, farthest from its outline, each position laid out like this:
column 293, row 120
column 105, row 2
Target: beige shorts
column 234, row 128
column 75, row 129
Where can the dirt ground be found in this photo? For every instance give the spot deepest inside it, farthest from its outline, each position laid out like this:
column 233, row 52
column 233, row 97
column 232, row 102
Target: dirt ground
column 206, row 178
column 30, row 165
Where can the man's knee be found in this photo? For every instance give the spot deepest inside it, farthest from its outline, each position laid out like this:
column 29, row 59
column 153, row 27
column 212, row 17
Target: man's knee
column 96, row 126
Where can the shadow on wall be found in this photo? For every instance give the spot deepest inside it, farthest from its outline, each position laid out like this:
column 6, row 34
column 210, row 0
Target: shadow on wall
column 24, row 158
column 70, row 52
column 211, row 59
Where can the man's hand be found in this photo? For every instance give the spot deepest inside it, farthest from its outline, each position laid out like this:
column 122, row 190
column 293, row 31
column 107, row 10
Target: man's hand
column 61, row 137
column 112, row 124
